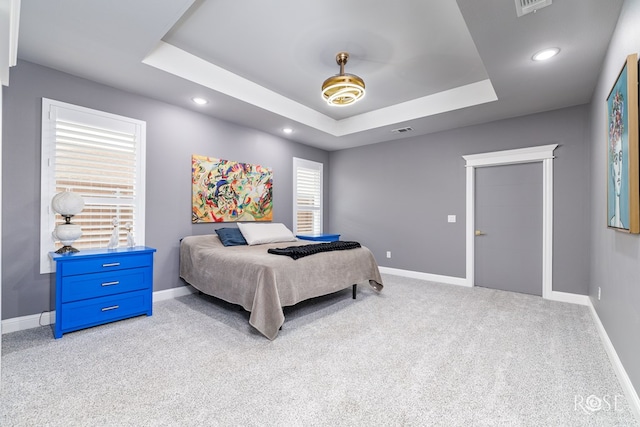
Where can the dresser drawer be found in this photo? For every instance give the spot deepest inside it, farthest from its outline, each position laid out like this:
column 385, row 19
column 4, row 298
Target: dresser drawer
column 96, row 311
column 102, row 284
column 97, row 286
column 105, row 263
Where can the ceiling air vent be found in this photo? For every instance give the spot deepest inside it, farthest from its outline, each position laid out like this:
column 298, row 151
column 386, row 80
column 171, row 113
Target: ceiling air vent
column 527, row 6
column 402, row 130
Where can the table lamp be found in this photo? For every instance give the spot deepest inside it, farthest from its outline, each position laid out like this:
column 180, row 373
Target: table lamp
column 67, row 204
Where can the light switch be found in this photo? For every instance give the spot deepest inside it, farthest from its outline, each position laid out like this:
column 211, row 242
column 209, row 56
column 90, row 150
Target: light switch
column 451, row 218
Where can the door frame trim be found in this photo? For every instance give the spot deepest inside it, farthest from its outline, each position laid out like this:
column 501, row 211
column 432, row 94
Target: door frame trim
column 544, row 154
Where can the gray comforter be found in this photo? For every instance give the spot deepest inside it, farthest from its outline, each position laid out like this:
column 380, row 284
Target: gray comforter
column 263, row 283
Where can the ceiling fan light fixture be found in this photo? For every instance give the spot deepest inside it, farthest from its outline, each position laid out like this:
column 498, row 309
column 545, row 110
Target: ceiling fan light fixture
column 343, row 89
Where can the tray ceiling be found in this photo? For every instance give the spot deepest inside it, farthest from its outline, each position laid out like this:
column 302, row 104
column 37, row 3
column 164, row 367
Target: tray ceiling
column 428, row 65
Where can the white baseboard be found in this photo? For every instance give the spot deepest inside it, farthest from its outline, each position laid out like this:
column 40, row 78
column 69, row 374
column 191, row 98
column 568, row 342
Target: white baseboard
column 425, row 276
column 460, row 281
column 27, row 322
column 570, row 298
column 173, row 293
column 629, row 391
column 36, row 320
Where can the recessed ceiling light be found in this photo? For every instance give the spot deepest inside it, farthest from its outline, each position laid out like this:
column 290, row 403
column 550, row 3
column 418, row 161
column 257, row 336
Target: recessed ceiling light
column 199, row 101
column 545, row 54
column 287, row 130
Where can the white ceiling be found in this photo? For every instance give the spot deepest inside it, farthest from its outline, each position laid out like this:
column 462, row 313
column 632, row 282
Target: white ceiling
column 430, row 65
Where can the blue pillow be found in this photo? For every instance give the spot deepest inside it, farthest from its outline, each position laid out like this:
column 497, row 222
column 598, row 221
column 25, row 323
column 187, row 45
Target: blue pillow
column 231, row 236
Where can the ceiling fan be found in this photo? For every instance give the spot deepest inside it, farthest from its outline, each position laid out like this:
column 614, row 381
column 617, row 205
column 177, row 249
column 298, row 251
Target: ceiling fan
column 343, row 89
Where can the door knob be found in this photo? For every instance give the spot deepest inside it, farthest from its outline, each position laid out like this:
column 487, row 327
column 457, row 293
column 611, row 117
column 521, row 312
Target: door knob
column 480, row 233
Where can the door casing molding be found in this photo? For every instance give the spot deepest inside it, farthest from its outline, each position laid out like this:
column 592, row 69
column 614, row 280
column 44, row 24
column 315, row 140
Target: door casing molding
column 544, row 154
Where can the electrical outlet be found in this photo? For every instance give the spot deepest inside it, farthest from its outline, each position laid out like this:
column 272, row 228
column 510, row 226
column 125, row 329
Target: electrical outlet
column 451, row 218
column 388, row 254
column 599, row 293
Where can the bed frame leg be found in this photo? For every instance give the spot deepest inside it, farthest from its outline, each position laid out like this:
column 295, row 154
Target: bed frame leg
column 355, row 287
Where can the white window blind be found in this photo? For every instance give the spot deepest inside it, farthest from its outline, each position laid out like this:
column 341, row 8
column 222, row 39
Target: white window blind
column 307, row 209
column 99, row 156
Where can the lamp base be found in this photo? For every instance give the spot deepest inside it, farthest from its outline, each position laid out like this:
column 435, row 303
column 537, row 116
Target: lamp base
column 67, row 250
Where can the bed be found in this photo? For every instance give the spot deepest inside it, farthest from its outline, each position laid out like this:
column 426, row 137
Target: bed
column 264, row 283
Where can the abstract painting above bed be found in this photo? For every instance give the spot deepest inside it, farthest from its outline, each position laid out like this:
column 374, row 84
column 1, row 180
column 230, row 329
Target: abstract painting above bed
column 228, row 191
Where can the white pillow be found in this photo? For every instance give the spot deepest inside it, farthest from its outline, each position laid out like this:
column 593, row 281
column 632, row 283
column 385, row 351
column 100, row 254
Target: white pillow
column 259, row 233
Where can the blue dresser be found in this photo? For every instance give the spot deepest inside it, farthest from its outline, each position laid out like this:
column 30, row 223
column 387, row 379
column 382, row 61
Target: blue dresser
column 319, row 237
column 93, row 287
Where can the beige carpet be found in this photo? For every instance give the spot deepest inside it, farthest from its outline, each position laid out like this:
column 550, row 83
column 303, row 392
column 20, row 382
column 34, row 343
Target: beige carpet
column 419, row 353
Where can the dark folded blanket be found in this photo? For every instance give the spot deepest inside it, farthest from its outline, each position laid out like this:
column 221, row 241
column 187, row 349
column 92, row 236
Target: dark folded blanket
column 296, row 252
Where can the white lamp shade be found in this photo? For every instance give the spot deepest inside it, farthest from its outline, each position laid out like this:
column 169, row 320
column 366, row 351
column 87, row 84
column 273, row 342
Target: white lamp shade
column 67, row 203
column 67, row 233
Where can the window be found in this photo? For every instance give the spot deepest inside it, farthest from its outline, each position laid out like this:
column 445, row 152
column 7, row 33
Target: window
column 307, row 197
column 100, row 156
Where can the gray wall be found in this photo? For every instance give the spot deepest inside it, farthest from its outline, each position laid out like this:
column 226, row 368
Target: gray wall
column 173, row 135
column 615, row 256
column 396, row 195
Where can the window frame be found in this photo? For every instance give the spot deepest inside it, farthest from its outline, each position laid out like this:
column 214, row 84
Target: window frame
column 90, row 117
column 311, row 165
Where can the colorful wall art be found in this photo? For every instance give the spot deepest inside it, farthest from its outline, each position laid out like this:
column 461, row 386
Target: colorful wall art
column 623, row 190
column 227, row 191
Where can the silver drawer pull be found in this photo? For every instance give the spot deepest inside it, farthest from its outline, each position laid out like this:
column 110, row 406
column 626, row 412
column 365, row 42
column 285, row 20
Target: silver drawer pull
column 113, row 307
column 110, row 283
column 111, row 264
